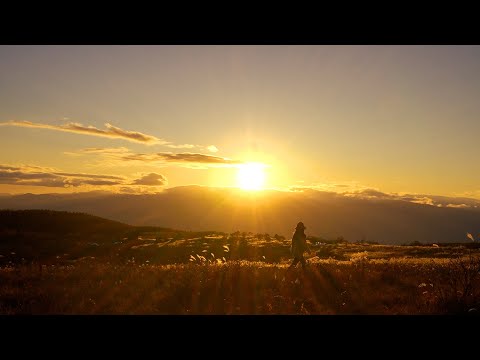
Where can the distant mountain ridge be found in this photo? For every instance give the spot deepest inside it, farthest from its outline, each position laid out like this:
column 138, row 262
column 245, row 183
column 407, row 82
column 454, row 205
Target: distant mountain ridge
column 326, row 214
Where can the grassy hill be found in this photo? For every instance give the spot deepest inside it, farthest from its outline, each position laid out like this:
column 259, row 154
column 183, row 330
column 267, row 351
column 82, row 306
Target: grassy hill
column 57, row 222
column 54, row 237
column 74, row 263
column 327, row 215
column 49, row 236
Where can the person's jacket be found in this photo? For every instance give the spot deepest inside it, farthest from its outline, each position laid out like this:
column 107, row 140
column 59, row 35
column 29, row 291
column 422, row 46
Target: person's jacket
column 299, row 243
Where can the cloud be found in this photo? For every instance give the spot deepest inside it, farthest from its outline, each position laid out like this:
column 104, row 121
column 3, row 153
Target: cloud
column 138, row 189
column 183, row 146
column 196, row 158
column 151, row 179
column 111, row 131
column 355, row 190
column 186, row 159
column 4, row 167
column 105, row 150
column 27, row 168
column 326, row 186
column 459, row 206
column 90, row 176
column 193, row 160
column 36, row 176
column 373, row 193
column 33, row 182
column 8, row 175
column 99, row 151
column 79, row 182
column 424, row 200
column 210, row 148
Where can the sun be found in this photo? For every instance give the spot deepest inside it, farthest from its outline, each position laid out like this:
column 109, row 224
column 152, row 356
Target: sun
column 251, row 176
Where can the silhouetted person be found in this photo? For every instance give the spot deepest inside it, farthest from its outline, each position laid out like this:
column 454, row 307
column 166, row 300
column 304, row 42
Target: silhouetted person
column 299, row 246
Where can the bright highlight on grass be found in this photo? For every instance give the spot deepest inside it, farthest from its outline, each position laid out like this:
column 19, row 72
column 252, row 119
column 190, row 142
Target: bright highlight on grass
column 251, row 176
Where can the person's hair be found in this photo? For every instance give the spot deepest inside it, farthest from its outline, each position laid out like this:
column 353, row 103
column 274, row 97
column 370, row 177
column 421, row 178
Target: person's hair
column 300, row 225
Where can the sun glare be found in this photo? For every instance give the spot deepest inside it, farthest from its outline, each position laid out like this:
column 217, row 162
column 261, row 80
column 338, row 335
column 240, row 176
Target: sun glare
column 251, row 176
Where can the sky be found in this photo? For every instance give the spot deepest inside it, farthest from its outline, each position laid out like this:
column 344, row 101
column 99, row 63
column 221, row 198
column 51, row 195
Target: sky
column 397, row 119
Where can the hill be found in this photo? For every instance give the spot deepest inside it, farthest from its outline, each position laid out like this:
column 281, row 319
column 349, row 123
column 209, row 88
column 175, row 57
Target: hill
column 58, row 222
column 49, row 236
column 376, row 218
column 49, row 265
column 46, row 234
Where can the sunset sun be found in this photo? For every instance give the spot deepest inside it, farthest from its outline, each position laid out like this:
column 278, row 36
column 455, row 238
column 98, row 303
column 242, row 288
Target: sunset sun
column 251, row 176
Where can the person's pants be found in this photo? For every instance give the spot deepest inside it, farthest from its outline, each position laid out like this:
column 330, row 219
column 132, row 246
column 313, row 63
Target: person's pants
column 297, row 259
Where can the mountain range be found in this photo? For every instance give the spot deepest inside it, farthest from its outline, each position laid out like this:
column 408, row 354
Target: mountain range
column 368, row 216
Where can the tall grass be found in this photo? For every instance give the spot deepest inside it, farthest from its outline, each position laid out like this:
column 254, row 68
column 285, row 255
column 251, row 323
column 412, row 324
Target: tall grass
column 357, row 286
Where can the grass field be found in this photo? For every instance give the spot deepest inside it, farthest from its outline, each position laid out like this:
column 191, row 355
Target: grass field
column 372, row 281
column 91, row 265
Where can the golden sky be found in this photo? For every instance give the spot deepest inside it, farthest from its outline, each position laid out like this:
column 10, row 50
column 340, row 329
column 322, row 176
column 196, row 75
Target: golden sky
column 398, row 119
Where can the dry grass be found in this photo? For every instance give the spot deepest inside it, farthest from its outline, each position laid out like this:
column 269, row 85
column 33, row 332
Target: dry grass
column 93, row 266
column 360, row 285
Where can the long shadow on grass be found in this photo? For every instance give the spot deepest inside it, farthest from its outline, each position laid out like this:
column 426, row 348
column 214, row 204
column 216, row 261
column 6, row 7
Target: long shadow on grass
column 319, row 291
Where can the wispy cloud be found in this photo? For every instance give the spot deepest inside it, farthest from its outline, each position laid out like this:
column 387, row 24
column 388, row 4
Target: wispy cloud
column 424, row 200
column 151, row 179
column 375, row 194
column 136, row 189
column 118, row 150
column 90, row 176
column 183, row 146
column 111, row 131
column 355, row 190
column 212, row 148
column 186, row 159
column 182, row 157
column 458, row 206
column 37, row 176
column 337, row 187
